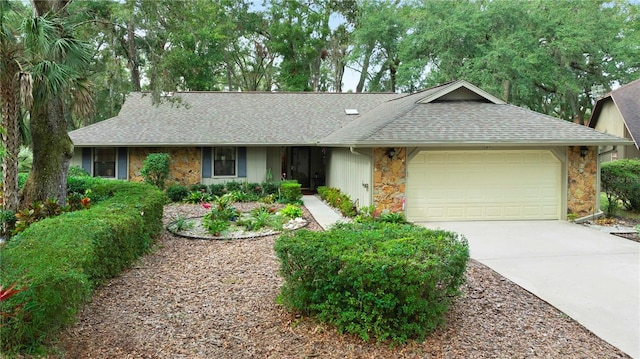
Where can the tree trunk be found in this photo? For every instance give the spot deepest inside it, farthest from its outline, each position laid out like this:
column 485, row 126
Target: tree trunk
column 133, row 57
column 52, row 153
column 365, row 69
column 9, row 97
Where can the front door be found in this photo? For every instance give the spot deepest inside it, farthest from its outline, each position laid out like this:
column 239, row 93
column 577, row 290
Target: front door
column 300, row 165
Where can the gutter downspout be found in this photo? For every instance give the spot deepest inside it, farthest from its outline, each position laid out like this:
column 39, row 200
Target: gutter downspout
column 615, row 148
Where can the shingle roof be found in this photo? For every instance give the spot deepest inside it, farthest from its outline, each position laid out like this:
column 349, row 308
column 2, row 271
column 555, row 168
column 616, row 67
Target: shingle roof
column 627, row 100
column 409, row 121
column 236, row 118
column 455, row 113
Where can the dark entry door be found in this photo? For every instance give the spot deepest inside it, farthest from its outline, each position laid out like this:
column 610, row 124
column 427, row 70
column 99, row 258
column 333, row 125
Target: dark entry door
column 300, row 165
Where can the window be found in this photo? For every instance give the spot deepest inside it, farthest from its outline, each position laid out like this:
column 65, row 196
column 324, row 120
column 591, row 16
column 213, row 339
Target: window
column 104, row 162
column 224, row 161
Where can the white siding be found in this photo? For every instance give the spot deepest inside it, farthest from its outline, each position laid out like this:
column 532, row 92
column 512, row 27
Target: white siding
column 274, row 161
column 256, row 164
column 76, row 160
column 351, row 173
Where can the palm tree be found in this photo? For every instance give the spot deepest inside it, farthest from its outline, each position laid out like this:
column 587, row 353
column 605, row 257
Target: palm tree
column 11, row 52
column 57, row 60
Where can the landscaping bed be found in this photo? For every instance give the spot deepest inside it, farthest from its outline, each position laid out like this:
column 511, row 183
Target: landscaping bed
column 216, row 299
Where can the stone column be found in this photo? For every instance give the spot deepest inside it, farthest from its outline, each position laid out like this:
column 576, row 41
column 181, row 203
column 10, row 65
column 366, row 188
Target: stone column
column 389, row 178
column 582, row 169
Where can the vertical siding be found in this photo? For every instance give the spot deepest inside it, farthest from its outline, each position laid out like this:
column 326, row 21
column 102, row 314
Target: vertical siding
column 256, row 164
column 76, row 160
column 274, row 161
column 349, row 172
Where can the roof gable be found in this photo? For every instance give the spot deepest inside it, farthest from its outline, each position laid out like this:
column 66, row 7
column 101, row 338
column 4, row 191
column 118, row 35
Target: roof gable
column 627, row 100
column 460, row 114
column 460, row 91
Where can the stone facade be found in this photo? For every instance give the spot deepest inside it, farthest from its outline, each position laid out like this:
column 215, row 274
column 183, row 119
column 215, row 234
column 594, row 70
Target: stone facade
column 184, row 163
column 389, row 179
column 582, row 181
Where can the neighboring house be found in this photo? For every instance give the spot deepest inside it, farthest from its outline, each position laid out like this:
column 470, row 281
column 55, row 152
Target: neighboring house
column 452, row 152
column 618, row 113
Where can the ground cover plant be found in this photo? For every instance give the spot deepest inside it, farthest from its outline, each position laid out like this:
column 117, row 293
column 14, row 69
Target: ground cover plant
column 60, row 260
column 375, row 279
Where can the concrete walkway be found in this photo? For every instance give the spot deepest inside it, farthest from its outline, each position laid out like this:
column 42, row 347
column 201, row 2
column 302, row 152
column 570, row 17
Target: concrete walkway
column 324, row 215
column 591, row 276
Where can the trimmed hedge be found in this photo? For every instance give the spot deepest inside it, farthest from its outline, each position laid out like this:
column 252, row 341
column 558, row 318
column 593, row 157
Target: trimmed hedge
column 382, row 280
column 290, row 191
column 60, row 260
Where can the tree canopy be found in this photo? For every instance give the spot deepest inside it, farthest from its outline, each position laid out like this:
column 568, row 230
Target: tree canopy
column 550, row 56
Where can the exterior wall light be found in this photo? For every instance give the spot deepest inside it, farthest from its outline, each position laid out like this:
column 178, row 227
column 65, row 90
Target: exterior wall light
column 391, row 152
column 583, row 151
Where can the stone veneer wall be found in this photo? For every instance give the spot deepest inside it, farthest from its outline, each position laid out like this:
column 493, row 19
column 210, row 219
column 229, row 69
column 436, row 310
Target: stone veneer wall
column 184, row 163
column 389, row 178
column 583, row 181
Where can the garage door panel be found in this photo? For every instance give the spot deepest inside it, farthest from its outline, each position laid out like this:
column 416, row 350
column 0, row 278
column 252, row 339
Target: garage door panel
column 483, row 185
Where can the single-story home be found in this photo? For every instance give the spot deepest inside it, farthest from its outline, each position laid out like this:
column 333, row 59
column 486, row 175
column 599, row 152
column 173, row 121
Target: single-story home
column 618, row 113
column 451, row 152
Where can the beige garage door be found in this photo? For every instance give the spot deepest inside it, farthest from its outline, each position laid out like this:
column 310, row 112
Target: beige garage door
column 483, row 185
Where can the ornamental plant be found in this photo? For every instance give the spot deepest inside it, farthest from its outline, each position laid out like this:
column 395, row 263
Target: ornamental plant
column 291, row 211
column 376, row 280
column 155, row 169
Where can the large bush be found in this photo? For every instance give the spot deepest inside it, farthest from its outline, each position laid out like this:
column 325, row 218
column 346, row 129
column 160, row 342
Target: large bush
column 621, row 182
column 155, row 169
column 60, row 260
column 382, row 280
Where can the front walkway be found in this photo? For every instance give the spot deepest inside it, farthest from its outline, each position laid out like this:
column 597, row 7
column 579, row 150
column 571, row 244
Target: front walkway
column 591, row 276
column 323, row 214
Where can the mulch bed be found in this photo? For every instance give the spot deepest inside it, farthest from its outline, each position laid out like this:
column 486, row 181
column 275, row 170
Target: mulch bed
column 217, row 299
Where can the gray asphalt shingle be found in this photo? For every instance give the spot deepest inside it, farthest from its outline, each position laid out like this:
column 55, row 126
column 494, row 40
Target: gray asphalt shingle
column 281, row 118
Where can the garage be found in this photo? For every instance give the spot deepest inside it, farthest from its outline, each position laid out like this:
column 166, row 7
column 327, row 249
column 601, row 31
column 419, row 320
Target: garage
column 483, row 185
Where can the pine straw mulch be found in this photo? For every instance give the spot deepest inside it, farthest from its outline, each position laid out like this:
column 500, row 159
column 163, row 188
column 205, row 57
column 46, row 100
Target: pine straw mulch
column 216, row 299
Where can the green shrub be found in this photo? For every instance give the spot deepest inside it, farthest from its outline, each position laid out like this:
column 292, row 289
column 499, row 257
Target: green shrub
column 215, row 226
column 233, row 186
column 62, row 259
column 177, row 192
column 621, row 182
column 155, row 169
column 269, row 188
column 338, row 200
column 291, row 211
column 381, row 280
column 199, row 187
column 290, row 191
column 217, row 189
column 392, row 217
column 76, row 171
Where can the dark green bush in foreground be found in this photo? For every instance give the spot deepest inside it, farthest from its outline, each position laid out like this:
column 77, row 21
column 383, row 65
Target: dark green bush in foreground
column 60, row 260
column 381, row 280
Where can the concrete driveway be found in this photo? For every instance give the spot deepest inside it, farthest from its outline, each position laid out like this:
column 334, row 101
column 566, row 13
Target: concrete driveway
column 591, row 276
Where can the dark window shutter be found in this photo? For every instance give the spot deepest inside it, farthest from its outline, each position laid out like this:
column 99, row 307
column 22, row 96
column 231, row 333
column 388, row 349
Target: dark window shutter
column 242, row 162
column 86, row 159
column 123, row 170
column 206, row 162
